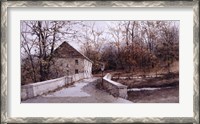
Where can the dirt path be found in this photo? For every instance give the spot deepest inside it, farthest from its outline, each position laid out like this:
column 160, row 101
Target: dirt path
column 83, row 91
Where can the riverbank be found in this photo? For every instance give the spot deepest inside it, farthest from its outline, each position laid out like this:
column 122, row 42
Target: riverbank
column 163, row 95
column 152, row 89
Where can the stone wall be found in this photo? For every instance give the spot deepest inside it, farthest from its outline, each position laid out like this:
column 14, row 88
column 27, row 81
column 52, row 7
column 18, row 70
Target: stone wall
column 114, row 88
column 67, row 66
column 87, row 68
column 39, row 88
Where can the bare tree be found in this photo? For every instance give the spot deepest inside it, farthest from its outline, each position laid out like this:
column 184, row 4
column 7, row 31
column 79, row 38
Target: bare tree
column 39, row 39
column 137, row 43
column 116, row 30
column 92, row 44
column 167, row 47
column 27, row 48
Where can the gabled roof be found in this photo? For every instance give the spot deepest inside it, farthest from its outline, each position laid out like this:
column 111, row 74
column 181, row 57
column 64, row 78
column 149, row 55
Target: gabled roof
column 65, row 50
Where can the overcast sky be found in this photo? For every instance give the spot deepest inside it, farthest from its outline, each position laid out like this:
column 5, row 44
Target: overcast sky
column 98, row 25
column 102, row 25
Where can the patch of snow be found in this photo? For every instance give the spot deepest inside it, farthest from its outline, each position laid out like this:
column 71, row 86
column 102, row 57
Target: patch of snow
column 136, row 77
column 148, row 88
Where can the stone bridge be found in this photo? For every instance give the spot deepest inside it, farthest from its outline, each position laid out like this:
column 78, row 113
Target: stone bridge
column 81, row 91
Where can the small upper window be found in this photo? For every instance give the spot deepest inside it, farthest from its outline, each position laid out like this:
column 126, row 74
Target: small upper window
column 76, row 62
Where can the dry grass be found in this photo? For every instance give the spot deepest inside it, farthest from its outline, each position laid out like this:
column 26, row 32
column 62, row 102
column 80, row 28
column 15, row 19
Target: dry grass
column 150, row 82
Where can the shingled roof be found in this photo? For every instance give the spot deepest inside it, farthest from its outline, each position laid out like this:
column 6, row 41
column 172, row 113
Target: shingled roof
column 65, row 50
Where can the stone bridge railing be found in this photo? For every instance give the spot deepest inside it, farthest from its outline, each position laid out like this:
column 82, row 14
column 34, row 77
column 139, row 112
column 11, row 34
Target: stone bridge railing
column 39, row 88
column 114, row 88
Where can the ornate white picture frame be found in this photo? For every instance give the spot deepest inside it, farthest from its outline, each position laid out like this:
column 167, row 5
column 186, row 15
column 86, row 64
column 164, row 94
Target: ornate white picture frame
column 6, row 5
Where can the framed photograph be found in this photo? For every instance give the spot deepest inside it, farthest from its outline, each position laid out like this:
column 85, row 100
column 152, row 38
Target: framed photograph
column 100, row 62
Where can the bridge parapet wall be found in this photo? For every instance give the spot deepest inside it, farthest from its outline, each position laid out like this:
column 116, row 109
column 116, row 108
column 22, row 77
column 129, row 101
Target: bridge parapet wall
column 39, row 88
column 114, row 88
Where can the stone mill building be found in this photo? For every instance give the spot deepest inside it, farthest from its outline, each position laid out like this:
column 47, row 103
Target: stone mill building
column 72, row 62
